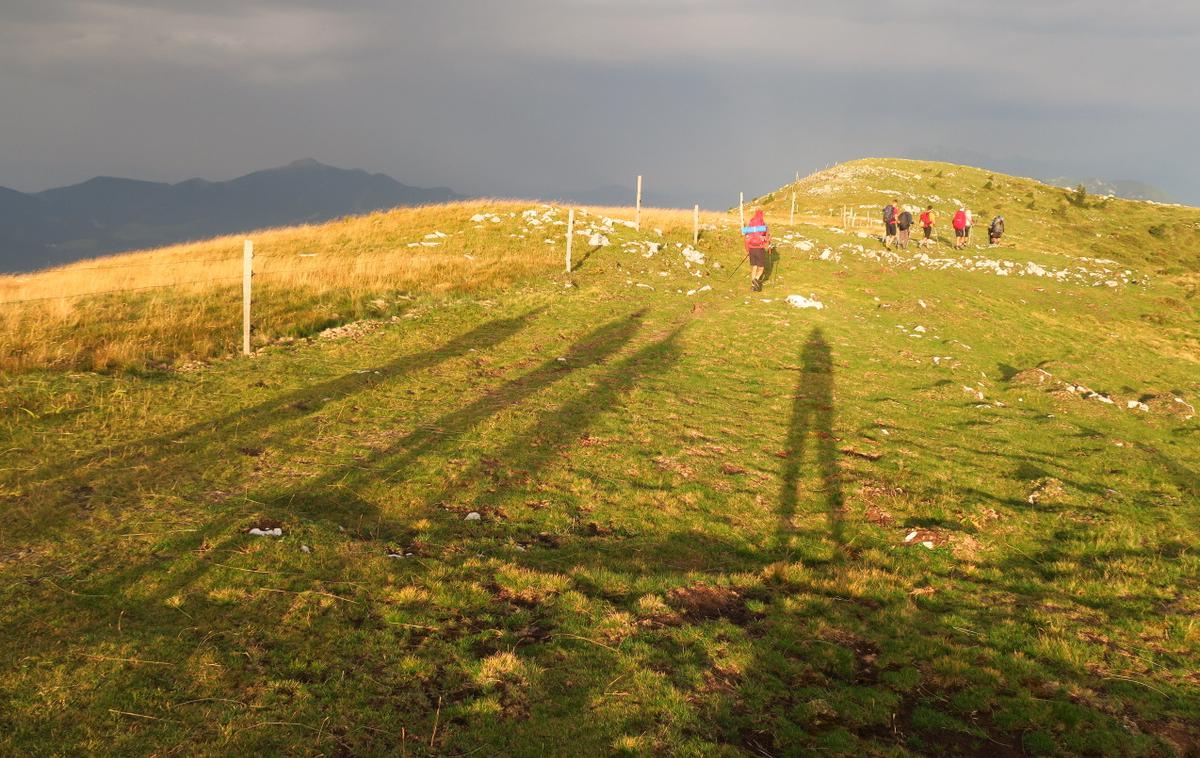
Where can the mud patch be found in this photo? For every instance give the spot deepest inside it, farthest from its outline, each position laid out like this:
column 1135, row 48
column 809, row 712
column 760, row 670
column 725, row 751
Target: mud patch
column 866, row 455
column 1169, row 405
column 705, row 602
column 865, row 654
column 878, row 515
column 670, row 464
column 1034, row 377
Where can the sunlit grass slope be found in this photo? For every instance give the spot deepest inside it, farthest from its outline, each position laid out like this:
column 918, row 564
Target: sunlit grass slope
column 954, row 512
column 159, row 307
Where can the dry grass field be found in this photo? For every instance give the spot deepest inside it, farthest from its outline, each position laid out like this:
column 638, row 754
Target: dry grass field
column 157, row 307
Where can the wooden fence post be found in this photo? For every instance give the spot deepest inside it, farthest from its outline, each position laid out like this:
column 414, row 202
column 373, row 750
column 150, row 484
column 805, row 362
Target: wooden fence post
column 637, row 222
column 570, row 236
column 742, row 206
column 696, row 225
column 247, row 273
column 792, row 217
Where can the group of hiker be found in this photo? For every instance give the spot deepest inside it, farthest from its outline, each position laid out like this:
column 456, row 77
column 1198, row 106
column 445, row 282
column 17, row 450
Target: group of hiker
column 898, row 221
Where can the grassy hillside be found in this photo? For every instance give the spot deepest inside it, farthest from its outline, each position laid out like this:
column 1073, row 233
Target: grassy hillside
column 157, row 308
column 952, row 512
column 1041, row 220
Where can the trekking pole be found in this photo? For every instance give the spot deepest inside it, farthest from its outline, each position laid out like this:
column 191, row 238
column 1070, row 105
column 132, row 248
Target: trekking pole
column 745, row 258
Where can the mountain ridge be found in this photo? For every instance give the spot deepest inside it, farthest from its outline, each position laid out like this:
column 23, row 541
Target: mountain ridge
column 107, row 214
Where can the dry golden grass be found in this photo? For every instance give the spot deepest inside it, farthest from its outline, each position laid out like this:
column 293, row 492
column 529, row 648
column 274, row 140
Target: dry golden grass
column 183, row 302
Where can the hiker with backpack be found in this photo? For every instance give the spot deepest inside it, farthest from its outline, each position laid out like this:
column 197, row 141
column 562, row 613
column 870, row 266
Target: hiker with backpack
column 959, row 223
column 996, row 230
column 970, row 223
column 903, row 224
column 758, row 242
column 889, row 223
column 927, row 224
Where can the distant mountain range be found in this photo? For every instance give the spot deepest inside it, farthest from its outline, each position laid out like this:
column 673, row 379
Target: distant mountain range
column 108, row 215
column 1128, row 189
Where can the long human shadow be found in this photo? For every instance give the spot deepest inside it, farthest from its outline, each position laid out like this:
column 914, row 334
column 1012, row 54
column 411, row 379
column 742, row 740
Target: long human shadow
column 552, row 428
column 162, row 635
column 555, row 428
column 812, row 413
column 302, row 402
column 332, row 495
column 57, row 482
column 309, row 497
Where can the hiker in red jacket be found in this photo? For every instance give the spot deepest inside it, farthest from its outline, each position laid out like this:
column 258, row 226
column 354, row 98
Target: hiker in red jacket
column 758, row 241
column 960, row 229
column 927, row 219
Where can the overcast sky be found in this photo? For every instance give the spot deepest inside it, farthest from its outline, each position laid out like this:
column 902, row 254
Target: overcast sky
column 704, row 97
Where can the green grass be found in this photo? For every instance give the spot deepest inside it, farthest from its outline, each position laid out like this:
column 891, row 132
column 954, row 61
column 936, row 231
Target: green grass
column 694, row 512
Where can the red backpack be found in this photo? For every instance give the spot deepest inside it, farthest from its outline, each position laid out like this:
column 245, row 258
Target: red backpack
column 960, row 220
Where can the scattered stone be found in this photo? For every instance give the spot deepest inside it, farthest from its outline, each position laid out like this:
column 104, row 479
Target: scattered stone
column 474, row 516
column 1047, row 489
column 353, row 330
column 799, row 301
column 926, row 538
column 305, row 549
column 275, row 532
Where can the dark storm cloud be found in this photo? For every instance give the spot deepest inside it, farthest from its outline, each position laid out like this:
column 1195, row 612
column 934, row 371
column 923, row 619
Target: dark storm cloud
column 704, row 97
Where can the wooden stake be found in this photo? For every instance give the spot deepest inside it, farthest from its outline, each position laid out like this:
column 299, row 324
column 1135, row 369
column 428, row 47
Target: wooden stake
column 792, row 218
column 637, row 222
column 247, row 274
column 696, row 225
column 570, row 236
column 742, row 206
